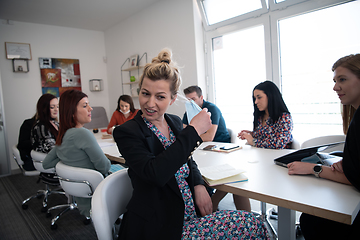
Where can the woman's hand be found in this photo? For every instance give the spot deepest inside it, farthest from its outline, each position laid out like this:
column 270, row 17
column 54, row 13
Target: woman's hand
column 301, row 168
column 337, row 167
column 203, row 200
column 242, row 134
column 202, row 121
column 246, row 135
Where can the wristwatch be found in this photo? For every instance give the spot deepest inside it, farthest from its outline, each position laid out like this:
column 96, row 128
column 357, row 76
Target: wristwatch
column 317, row 170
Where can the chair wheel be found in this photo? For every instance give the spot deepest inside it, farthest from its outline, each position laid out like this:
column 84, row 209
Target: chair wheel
column 87, row 221
column 48, row 215
column 54, row 227
column 24, row 206
column 44, row 209
column 298, row 231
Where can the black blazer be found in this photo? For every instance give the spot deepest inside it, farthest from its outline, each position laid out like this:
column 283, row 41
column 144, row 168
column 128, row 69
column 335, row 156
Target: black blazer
column 156, row 209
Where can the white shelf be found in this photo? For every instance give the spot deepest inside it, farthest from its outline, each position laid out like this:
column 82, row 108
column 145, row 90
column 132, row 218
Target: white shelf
column 130, row 83
column 132, row 68
column 133, row 72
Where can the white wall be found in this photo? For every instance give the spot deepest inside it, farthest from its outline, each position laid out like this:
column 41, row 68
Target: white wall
column 168, row 23
column 22, row 90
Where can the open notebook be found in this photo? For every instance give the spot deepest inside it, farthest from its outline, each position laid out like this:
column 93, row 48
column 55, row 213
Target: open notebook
column 222, row 174
column 115, row 167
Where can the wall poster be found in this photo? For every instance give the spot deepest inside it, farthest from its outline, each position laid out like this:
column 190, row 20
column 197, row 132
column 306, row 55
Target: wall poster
column 59, row 75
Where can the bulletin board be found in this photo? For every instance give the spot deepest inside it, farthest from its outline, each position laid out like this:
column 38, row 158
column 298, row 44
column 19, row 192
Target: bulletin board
column 59, row 75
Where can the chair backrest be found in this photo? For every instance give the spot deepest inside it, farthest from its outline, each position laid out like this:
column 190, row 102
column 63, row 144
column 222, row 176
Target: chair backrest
column 98, row 118
column 78, row 182
column 233, row 135
column 295, row 144
column 19, row 162
column 324, row 140
column 38, row 158
column 109, row 202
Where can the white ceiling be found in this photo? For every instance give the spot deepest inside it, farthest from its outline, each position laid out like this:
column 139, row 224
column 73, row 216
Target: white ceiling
column 97, row 15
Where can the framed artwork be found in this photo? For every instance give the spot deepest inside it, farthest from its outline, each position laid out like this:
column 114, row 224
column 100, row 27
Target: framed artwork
column 17, row 50
column 133, row 61
column 59, row 75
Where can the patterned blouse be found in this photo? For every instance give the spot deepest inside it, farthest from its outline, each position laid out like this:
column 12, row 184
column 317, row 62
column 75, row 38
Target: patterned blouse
column 225, row 224
column 274, row 135
column 42, row 139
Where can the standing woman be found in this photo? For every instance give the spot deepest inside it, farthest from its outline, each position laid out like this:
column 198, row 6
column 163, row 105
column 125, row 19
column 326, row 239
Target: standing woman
column 75, row 145
column 125, row 111
column 347, row 86
column 272, row 120
column 45, row 130
column 169, row 199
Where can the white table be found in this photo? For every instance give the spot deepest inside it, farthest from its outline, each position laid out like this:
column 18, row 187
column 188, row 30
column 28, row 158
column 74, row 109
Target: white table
column 271, row 183
column 109, row 147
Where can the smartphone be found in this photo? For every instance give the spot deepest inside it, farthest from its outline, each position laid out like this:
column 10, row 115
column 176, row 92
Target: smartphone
column 228, row 147
column 209, row 147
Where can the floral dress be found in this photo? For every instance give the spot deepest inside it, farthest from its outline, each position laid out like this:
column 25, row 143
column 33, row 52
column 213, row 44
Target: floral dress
column 274, row 135
column 225, row 224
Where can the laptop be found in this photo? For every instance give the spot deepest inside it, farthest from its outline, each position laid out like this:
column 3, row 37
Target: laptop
column 310, row 154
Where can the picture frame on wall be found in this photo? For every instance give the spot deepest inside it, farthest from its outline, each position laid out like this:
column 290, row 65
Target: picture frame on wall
column 133, row 61
column 18, row 50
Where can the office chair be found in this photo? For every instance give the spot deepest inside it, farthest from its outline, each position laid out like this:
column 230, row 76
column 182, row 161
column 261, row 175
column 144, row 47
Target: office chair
column 19, row 162
column 98, row 118
column 324, row 140
column 109, row 203
column 233, row 136
column 37, row 160
column 76, row 182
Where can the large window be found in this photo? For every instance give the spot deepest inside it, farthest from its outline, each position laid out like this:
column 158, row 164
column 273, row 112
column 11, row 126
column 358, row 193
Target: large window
column 239, row 60
column 309, row 45
column 295, row 47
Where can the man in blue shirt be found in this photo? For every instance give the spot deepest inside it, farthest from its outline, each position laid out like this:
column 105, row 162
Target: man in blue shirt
column 218, row 131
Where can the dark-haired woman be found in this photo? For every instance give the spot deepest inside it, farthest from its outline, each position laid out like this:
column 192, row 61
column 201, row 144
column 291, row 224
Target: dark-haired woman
column 124, row 112
column 272, row 129
column 75, row 145
column 45, row 130
column 272, row 120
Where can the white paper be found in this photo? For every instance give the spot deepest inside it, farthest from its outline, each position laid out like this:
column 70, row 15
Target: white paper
column 106, row 144
column 219, row 171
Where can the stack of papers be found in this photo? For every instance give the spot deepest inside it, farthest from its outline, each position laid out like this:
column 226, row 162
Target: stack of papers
column 222, row 174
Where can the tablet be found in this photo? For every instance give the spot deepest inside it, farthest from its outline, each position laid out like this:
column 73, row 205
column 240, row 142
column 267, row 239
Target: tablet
column 308, row 153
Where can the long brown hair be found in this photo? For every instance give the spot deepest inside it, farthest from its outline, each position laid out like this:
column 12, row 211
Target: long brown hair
column 43, row 112
column 347, row 114
column 67, row 110
column 352, row 63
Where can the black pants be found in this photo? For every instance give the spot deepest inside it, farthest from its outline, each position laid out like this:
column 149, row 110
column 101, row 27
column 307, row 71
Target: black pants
column 318, row 228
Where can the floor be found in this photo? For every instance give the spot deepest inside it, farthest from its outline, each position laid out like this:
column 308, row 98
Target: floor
column 227, row 203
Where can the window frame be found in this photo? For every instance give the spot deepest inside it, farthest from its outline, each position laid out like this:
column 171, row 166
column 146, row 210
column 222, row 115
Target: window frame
column 270, row 21
column 243, row 25
column 253, row 14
